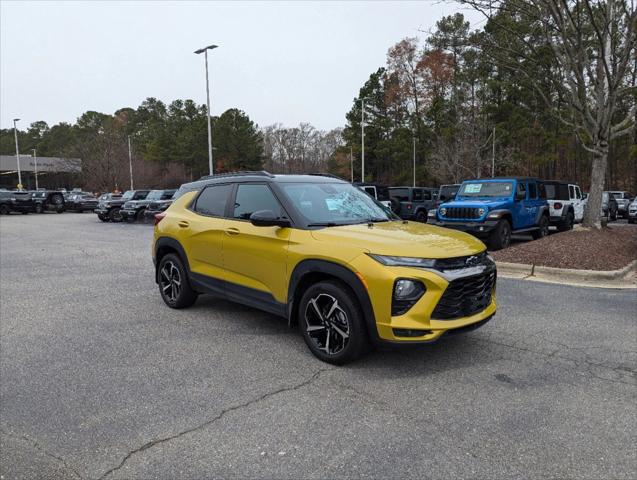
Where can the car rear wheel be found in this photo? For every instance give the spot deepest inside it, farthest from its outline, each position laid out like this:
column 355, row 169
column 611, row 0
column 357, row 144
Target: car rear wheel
column 174, row 286
column 543, row 228
column 567, row 224
column 332, row 323
column 500, row 236
column 115, row 215
column 421, row 216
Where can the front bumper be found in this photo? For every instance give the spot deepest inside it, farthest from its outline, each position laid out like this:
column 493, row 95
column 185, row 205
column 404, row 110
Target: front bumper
column 128, row 214
column 389, row 329
column 101, row 211
column 477, row 229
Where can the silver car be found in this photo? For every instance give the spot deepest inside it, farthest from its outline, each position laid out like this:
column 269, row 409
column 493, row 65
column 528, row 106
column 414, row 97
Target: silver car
column 632, row 211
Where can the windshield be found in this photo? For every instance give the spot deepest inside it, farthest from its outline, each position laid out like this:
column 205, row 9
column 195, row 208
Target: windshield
column 128, row 195
column 486, row 189
column 155, row 195
column 619, row 195
column 330, row 204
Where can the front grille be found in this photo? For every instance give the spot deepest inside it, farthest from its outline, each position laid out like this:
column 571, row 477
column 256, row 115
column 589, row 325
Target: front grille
column 129, row 205
column 466, row 296
column 462, row 212
column 153, row 205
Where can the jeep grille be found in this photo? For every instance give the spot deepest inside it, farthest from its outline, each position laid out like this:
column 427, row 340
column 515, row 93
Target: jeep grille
column 462, row 212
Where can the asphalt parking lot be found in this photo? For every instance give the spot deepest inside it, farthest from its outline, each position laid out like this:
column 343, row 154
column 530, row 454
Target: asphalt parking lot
column 99, row 379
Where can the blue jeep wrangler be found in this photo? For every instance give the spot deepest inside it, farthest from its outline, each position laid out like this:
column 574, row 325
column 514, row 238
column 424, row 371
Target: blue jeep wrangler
column 493, row 209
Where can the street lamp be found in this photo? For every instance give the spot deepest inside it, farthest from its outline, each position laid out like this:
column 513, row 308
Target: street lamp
column 205, row 52
column 35, row 160
column 363, row 138
column 414, row 154
column 17, row 151
column 130, row 163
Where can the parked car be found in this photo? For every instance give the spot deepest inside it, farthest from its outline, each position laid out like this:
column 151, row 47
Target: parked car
column 411, row 203
column 623, row 199
column 158, row 206
column 134, row 210
column 16, row 201
column 632, row 211
column 565, row 203
column 378, row 192
column 48, row 200
column 322, row 254
column 609, row 206
column 108, row 209
column 446, row 193
column 81, row 202
column 494, row 209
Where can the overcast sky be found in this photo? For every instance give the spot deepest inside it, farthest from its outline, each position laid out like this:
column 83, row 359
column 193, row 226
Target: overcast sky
column 284, row 62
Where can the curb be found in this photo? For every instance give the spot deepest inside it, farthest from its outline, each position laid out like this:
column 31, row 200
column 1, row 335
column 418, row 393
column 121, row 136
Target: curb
column 593, row 278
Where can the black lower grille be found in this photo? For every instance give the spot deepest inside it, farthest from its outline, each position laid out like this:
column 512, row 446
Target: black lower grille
column 461, row 212
column 466, row 296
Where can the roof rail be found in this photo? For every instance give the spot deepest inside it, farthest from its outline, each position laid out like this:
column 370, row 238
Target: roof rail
column 331, row 175
column 241, row 173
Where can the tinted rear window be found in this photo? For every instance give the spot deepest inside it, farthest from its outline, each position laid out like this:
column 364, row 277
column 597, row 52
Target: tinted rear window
column 212, row 201
column 401, row 194
column 556, row 191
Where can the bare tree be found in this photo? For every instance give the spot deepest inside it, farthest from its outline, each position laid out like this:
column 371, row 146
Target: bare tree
column 592, row 46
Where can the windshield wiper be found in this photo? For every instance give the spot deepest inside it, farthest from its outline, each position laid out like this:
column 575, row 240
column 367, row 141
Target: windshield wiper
column 324, row 224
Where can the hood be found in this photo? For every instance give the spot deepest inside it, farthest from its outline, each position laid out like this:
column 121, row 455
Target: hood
column 491, row 203
column 410, row 239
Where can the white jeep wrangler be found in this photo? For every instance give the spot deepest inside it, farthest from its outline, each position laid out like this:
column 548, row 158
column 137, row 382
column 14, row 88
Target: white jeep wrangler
column 566, row 204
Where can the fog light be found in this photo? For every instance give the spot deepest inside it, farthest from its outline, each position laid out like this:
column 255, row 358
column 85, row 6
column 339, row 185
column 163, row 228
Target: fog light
column 403, row 332
column 406, row 293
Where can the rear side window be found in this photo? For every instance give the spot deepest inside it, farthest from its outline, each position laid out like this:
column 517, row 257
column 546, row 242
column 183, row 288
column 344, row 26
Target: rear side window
column 532, row 190
column 427, row 195
column 571, row 191
column 252, row 198
column 417, row 195
column 370, row 191
column 578, row 193
column 213, row 200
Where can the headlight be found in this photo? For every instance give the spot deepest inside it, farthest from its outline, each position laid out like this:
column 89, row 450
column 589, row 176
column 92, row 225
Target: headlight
column 481, row 211
column 443, row 211
column 403, row 261
column 406, row 293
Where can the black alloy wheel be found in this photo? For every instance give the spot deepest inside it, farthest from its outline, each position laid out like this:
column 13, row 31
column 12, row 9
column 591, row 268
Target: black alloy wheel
column 174, row 286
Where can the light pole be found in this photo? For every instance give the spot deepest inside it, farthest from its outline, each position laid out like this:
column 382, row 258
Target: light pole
column 205, row 52
column 351, row 161
column 35, row 160
column 130, row 163
column 414, row 155
column 17, row 152
column 493, row 155
column 363, row 138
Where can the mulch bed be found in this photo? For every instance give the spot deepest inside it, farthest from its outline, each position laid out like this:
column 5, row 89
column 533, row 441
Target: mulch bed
column 611, row 248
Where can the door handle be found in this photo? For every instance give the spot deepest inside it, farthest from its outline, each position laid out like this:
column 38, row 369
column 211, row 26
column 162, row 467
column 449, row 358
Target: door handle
column 232, row 231
column 183, row 224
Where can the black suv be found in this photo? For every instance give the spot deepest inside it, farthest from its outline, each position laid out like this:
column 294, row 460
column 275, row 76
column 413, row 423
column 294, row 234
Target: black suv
column 48, row 200
column 16, row 202
column 412, row 203
column 134, row 210
column 109, row 207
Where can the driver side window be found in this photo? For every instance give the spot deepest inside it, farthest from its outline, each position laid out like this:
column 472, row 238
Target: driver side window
column 252, row 198
column 520, row 192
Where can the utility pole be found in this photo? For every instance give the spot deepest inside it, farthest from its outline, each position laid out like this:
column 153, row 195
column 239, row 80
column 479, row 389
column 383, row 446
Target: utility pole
column 493, row 155
column 130, row 163
column 17, row 152
column 35, row 160
column 205, row 52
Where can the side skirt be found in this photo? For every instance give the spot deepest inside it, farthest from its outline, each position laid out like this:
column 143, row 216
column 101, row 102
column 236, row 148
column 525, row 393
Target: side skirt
column 238, row 293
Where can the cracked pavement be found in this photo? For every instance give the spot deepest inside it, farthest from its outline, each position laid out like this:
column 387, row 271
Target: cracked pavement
column 98, row 379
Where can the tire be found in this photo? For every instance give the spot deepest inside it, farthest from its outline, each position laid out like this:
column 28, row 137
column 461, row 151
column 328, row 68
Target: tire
column 38, row 208
column 57, row 199
column 4, row 210
column 500, row 236
column 421, row 216
column 103, row 218
column 543, row 227
column 114, row 215
column 174, row 287
column 567, row 224
column 332, row 324
column 140, row 216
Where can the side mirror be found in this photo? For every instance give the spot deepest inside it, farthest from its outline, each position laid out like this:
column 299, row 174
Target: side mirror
column 267, row 218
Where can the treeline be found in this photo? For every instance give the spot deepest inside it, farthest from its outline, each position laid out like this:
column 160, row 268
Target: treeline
column 169, row 144
column 456, row 94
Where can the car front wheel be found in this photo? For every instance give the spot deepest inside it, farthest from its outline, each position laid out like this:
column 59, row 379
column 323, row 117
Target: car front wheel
column 174, row 286
column 332, row 323
column 115, row 215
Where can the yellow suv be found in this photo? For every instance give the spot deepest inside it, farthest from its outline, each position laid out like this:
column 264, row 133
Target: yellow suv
column 325, row 255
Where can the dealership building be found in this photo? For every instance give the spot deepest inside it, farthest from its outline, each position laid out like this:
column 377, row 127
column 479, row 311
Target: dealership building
column 52, row 172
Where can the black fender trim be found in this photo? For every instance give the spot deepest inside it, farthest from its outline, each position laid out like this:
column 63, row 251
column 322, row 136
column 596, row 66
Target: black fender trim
column 543, row 210
column 499, row 214
column 174, row 245
column 342, row 273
